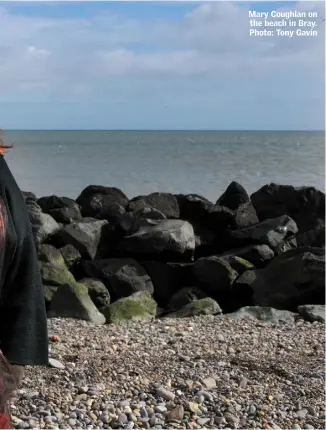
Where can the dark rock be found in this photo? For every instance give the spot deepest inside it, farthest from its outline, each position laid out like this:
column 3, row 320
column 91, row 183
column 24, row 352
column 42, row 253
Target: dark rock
column 313, row 294
column 84, row 236
column 313, row 236
column 149, row 213
column 97, row 291
column 272, row 232
column 95, row 198
column 205, row 306
column 163, row 202
column 220, row 219
column 130, row 222
column 194, row 207
column 168, row 278
column 197, row 210
column 169, row 240
column 207, row 219
column 242, row 291
column 185, row 296
column 62, row 209
column 258, row 255
column 294, row 278
column 66, row 215
column 108, row 242
column 121, row 276
column 245, row 215
column 305, row 205
column 215, row 277
column 70, row 255
column 49, row 203
column 29, row 197
column 110, row 211
column 127, row 224
column 204, row 239
column 234, row 196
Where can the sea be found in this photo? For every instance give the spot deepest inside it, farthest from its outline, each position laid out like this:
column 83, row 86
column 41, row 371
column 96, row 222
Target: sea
column 142, row 162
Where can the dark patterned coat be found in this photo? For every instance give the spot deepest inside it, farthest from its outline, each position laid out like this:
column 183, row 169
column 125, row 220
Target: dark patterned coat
column 23, row 325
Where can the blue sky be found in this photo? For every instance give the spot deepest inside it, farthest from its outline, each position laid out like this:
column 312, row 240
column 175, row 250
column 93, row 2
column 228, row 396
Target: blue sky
column 177, row 65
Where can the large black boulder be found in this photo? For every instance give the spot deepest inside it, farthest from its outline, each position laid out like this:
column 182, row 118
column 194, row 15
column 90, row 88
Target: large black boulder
column 294, row 278
column 305, row 205
column 185, row 296
column 165, row 203
column 121, row 276
column 84, row 236
column 258, row 255
column 97, row 199
column 274, row 232
column 194, row 207
column 244, row 216
column 168, row 278
column 234, row 196
column 166, row 240
column 62, row 209
column 215, row 276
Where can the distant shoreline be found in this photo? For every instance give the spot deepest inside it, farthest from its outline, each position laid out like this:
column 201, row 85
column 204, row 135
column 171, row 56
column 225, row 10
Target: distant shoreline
column 165, row 131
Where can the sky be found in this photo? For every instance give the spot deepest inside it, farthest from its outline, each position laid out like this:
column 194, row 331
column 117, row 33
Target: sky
column 157, row 65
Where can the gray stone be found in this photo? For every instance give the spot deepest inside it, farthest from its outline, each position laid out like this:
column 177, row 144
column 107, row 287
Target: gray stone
column 84, row 236
column 165, row 394
column 56, row 364
column 312, row 312
column 43, row 225
column 265, row 314
column 167, row 239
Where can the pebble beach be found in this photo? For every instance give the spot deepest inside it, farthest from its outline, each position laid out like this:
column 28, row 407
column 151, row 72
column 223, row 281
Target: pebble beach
column 201, row 372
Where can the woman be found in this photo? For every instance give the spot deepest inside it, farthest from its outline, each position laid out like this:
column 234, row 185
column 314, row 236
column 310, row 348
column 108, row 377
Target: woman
column 23, row 325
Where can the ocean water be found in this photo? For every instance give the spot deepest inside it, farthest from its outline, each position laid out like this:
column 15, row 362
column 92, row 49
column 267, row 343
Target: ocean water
column 137, row 162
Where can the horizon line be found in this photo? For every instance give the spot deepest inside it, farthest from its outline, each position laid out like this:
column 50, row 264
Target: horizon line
column 161, row 130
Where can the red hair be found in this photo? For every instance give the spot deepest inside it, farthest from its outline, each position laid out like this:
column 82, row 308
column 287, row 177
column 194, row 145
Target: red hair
column 3, row 148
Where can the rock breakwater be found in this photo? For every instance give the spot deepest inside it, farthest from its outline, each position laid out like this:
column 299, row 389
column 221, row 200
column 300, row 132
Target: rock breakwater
column 106, row 258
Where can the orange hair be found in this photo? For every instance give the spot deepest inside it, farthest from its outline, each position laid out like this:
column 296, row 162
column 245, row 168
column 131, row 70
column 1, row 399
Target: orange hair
column 3, row 148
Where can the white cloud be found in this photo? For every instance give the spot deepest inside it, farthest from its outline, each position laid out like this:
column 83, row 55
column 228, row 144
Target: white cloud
column 212, row 38
column 36, row 52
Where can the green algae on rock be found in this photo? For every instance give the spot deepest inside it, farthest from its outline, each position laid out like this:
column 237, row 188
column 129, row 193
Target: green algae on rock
column 138, row 306
column 73, row 301
column 56, row 275
column 49, row 254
